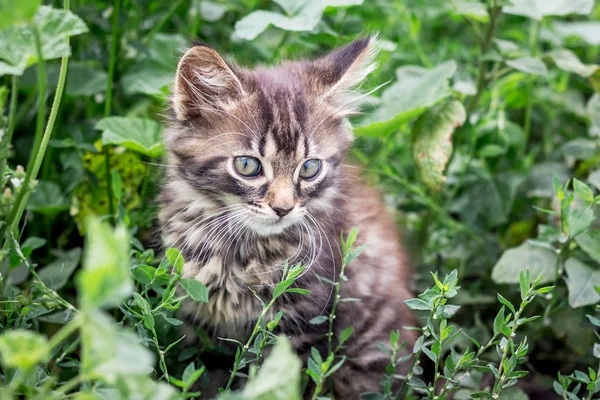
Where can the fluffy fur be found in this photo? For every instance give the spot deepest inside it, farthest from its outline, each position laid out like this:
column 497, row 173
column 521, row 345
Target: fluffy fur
column 225, row 224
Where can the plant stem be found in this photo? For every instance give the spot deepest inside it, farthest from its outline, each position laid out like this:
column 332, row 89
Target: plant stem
column 498, row 385
column 161, row 355
column 19, row 205
column 244, row 349
column 484, row 45
column 533, row 40
column 40, row 144
column 7, row 138
column 38, row 282
column 108, row 102
column 167, row 16
column 417, row 355
column 65, row 332
column 336, row 300
column 591, row 392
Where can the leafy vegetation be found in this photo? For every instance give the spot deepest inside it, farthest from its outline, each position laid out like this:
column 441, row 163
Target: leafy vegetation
column 482, row 127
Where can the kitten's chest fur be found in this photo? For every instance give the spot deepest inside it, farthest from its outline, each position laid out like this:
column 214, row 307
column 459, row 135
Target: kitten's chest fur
column 232, row 265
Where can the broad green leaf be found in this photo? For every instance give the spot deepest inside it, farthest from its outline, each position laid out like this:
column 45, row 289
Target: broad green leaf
column 593, row 112
column 156, row 65
column 13, row 12
column 175, row 259
column 470, row 8
column 148, row 77
column 56, row 274
column 530, row 65
column 568, row 61
column 538, row 9
column 85, row 79
column 17, row 45
column 579, row 220
column 47, row 198
column 588, row 31
column 195, row 289
column 211, row 11
column 432, row 141
column 416, row 90
column 108, row 353
column 255, row 23
column 140, row 135
column 589, row 241
column 583, row 191
column 526, row 256
column 279, row 377
column 581, row 282
column 594, row 179
column 23, row 349
column 104, row 280
column 305, row 17
column 417, row 304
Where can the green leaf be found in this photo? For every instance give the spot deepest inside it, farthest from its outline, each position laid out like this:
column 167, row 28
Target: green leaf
column 48, row 199
column 596, row 351
column 195, row 289
column 432, row 141
column 447, row 311
column 588, row 31
column 524, row 283
column 279, row 376
column 56, row 274
column 589, row 241
column 175, row 259
column 140, row 135
column 471, row 8
column 415, row 90
column 529, row 65
column 148, row 321
column 318, row 320
column 23, row 349
column 109, row 354
column 306, row 16
column 211, row 11
column 583, row 191
column 499, row 321
column 581, row 282
column 104, row 280
column 538, row 9
column 568, row 61
column 85, row 79
column 526, row 256
column 345, row 334
column 147, row 77
column 507, row 304
column 16, row 12
column 593, row 111
column 17, row 44
column 417, row 304
column 579, row 220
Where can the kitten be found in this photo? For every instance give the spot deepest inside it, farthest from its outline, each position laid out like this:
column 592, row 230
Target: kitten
column 256, row 177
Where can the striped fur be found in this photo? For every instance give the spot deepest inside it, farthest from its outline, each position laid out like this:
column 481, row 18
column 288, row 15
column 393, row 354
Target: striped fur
column 225, row 224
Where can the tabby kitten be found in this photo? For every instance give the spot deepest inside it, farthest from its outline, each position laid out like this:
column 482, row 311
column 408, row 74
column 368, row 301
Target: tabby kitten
column 256, row 177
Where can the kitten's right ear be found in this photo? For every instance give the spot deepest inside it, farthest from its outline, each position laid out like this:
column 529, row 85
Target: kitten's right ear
column 204, row 83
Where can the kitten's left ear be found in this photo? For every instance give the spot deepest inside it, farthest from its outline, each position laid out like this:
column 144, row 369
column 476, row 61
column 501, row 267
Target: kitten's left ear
column 334, row 75
column 204, row 84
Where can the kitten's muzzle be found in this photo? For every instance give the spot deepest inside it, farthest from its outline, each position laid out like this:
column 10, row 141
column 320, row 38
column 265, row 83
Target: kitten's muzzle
column 282, row 212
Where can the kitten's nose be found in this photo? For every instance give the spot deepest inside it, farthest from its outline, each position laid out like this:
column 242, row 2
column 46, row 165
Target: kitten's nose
column 282, row 212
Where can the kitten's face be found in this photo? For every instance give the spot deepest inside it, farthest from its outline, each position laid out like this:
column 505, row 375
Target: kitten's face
column 264, row 145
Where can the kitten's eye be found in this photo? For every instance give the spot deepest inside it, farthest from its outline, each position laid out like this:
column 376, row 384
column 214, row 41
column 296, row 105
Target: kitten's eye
column 310, row 169
column 247, row 166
